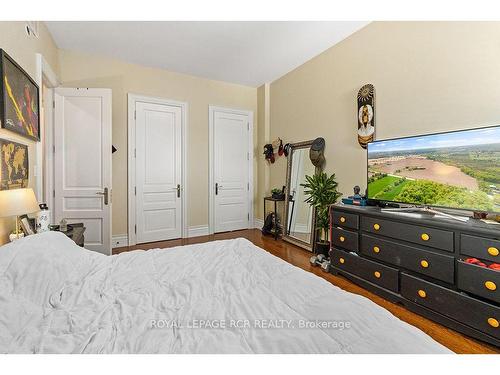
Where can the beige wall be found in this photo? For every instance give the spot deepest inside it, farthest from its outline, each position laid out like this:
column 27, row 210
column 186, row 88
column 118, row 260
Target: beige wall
column 263, row 128
column 23, row 49
column 82, row 70
column 428, row 76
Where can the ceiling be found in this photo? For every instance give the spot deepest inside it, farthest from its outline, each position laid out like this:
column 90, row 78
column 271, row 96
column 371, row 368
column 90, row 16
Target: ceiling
column 247, row 53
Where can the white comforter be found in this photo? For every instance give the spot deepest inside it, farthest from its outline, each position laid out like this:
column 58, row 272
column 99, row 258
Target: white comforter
column 217, row 297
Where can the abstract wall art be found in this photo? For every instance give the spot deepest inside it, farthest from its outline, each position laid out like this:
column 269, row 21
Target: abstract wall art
column 19, row 100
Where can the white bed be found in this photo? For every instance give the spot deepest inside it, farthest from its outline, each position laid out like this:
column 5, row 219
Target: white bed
column 58, row 298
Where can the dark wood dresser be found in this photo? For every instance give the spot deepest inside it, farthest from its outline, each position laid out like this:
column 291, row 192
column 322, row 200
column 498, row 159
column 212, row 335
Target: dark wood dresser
column 418, row 260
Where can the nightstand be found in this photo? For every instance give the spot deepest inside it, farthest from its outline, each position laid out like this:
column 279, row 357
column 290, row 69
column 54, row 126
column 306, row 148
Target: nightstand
column 75, row 232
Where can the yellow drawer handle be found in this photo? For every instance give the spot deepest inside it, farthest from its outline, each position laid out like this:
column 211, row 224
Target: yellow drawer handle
column 493, row 322
column 342, row 260
column 342, row 238
column 424, row 263
column 425, row 237
column 422, row 293
column 342, row 219
column 376, row 249
column 376, row 226
column 490, row 285
column 493, row 251
column 377, row 274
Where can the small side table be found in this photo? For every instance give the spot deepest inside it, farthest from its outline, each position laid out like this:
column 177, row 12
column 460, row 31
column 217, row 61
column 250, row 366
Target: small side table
column 75, row 232
column 271, row 199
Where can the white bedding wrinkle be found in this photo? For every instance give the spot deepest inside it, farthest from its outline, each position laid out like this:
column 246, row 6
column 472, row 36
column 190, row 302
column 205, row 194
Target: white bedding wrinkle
column 217, row 297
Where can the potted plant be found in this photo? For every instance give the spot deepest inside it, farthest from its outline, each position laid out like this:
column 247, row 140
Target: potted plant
column 277, row 193
column 321, row 192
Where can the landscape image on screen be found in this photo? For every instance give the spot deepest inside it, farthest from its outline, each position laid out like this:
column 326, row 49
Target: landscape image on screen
column 457, row 170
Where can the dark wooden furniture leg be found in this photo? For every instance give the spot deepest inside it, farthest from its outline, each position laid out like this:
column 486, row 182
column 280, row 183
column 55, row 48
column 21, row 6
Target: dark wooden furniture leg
column 275, row 221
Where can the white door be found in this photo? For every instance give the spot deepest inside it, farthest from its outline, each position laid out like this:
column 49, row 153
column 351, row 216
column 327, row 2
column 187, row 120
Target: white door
column 158, row 143
column 82, row 161
column 231, row 154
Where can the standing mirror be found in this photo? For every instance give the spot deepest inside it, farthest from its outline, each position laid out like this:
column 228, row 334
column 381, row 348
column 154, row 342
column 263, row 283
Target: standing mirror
column 299, row 215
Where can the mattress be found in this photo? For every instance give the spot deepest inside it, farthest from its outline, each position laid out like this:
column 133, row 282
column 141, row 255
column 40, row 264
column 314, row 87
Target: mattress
column 216, row 297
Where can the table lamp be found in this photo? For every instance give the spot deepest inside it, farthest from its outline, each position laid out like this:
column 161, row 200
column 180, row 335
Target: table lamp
column 17, row 202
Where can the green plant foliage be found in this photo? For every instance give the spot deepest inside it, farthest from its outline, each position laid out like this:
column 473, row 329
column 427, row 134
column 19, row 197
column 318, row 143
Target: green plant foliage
column 321, row 191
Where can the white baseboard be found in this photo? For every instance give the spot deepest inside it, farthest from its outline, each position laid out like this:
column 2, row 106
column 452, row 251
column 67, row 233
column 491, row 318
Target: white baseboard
column 197, row 231
column 258, row 223
column 119, row 240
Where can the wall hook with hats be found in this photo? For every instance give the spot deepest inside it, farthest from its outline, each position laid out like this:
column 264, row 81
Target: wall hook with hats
column 276, row 148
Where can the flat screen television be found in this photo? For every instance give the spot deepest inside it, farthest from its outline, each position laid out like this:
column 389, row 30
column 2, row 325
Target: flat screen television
column 459, row 170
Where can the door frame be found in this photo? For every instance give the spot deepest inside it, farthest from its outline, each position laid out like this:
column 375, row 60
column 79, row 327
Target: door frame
column 211, row 190
column 131, row 211
column 45, row 150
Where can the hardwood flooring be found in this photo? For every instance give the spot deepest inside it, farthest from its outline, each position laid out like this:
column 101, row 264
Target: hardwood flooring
column 300, row 258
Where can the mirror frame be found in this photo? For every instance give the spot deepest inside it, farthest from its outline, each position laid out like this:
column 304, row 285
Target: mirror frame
column 305, row 245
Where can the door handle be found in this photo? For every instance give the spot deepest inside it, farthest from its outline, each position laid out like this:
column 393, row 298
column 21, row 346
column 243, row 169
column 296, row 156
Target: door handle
column 105, row 193
column 178, row 190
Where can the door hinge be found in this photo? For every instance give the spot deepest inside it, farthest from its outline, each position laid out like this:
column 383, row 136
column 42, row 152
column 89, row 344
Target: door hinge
column 248, row 186
column 248, row 216
column 248, row 156
column 135, row 229
column 248, row 126
column 135, row 153
column 54, row 149
column 53, row 193
column 135, row 190
column 135, row 115
column 53, row 104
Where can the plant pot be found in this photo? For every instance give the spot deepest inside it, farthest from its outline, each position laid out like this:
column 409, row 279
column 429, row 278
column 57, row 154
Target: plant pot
column 322, row 247
column 280, row 196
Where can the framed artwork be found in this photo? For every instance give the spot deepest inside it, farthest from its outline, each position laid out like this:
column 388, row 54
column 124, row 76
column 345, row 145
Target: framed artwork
column 366, row 114
column 14, row 165
column 19, row 100
column 26, row 225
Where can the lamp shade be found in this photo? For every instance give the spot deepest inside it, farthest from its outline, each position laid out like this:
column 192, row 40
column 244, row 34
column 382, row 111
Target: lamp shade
column 17, row 202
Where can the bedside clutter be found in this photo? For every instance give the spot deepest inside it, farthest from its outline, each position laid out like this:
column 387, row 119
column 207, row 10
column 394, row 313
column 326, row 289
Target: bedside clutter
column 423, row 263
column 75, row 231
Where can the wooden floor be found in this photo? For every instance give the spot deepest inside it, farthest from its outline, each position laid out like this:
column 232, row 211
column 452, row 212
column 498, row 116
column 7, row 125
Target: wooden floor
column 300, row 258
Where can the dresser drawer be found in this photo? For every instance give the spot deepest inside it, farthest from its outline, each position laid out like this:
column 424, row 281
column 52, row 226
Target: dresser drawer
column 427, row 263
column 437, row 238
column 480, row 247
column 345, row 220
column 474, row 313
column 376, row 273
column 345, row 239
column 478, row 280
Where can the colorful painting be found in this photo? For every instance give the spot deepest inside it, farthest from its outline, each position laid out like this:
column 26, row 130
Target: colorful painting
column 19, row 95
column 14, row 165
column 366, row 114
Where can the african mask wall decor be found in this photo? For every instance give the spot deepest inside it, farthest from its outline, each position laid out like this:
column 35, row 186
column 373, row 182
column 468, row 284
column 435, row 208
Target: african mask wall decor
column 366, row 114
